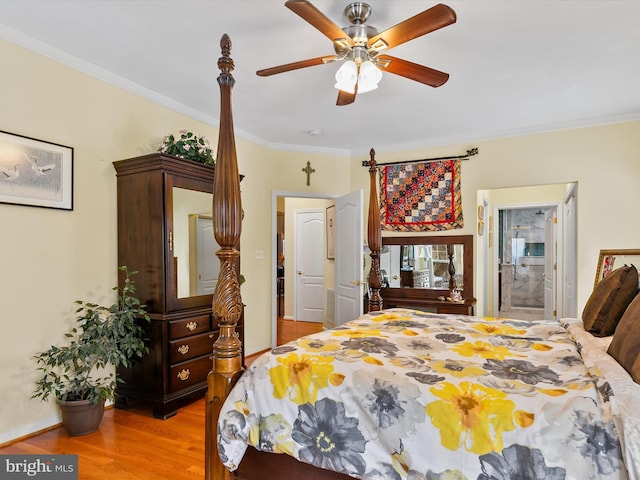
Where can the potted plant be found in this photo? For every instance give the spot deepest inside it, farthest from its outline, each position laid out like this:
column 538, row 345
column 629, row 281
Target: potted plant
column 74, row 374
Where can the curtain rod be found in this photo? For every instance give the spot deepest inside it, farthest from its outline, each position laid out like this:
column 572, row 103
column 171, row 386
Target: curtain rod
column 470, row 153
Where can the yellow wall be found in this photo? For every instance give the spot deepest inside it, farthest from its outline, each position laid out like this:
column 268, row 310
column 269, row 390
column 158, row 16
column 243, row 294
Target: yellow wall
column 53, row 257
column 603, row 160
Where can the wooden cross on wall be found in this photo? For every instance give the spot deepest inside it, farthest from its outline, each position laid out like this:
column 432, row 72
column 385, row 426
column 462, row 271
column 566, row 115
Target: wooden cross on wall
column 308, row 170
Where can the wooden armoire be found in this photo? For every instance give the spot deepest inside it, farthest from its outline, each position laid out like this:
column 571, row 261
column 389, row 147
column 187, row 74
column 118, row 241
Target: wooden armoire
column 164, row 204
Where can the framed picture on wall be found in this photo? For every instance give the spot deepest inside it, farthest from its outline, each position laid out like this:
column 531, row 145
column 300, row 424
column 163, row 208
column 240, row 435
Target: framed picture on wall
column 330, row 228
column 611, row 259
column 35, row 173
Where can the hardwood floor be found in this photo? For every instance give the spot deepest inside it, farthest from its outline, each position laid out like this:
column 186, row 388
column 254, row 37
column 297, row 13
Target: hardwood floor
column 132, row 445
column 292, row 329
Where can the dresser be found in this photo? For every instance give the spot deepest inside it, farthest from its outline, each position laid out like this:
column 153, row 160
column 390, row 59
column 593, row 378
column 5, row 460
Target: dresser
column 419, row 270
column 165, row 234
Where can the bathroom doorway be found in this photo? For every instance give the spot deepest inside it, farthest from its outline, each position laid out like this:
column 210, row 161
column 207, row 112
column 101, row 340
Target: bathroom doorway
column 527, row 262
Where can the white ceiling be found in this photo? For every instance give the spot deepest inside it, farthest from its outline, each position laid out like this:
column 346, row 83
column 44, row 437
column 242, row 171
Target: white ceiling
column 515, row 66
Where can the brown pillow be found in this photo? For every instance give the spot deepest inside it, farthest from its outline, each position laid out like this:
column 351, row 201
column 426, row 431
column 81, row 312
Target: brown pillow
column 609, row 300
column 625, row 346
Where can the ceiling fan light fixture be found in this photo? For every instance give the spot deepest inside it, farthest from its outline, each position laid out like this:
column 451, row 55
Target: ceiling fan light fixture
column 369, row 77
column 347, row 77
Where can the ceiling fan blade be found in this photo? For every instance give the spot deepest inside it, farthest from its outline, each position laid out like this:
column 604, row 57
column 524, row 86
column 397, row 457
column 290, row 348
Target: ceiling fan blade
column 296, row 65
column 316, row 18
column 432, row 19
column 345, row 98
column 404, row 68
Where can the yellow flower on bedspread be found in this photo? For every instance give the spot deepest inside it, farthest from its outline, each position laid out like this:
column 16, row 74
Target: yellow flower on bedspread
column 359, row 333
column 481, row 349
column 299, row 377
column 498, row 329
column 385, row 317
column 472, row 415
column 315, row 345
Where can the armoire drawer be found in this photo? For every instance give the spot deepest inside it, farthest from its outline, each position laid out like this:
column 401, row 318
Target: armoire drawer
column 188, row 373
column 187, row 348
column 189, row 326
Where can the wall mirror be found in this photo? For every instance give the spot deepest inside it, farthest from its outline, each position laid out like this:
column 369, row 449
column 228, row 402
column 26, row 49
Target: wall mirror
column 609, row 260
column 422, row 263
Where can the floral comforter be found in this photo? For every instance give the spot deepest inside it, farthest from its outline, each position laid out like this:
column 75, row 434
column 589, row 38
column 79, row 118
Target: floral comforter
column 401, row 394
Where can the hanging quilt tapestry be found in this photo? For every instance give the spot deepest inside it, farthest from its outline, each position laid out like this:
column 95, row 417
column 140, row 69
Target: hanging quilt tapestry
column 418, row 197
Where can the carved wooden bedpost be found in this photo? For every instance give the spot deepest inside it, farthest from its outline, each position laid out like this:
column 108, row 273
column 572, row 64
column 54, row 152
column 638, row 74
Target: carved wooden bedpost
column 374, row 238
column 227, row 302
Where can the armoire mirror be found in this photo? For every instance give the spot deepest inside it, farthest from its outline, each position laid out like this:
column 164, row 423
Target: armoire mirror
column 422, row 263
column 194, row 245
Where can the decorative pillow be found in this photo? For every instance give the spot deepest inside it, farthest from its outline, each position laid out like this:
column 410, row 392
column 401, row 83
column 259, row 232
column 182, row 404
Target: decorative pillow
column 609, row 300
column 625, row 346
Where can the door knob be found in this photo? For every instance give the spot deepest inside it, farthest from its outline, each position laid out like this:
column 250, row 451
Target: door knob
column 299, row 272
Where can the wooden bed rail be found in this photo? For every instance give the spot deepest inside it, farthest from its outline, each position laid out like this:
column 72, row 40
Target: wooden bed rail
column 227, row 302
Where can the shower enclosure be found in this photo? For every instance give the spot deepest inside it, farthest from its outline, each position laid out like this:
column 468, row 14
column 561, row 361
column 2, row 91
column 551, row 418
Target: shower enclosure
column 521, row 244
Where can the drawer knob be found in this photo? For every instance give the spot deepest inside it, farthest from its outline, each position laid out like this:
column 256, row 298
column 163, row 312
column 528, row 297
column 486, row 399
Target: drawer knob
column 184, row 374
column 191, row 326
column 183, row 349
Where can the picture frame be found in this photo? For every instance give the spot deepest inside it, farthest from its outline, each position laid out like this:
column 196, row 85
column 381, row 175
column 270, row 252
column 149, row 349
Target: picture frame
column 35, row 173
column 610, row 259
column 330, row 229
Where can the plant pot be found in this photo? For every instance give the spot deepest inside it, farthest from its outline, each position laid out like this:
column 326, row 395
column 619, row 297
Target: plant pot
column 81, row 417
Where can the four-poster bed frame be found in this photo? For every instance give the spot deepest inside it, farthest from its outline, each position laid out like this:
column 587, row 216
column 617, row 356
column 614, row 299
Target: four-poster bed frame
column 227, row 302
column 543, row 380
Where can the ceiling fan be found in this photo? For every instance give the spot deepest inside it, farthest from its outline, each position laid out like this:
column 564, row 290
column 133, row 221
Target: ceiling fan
column 361, row 47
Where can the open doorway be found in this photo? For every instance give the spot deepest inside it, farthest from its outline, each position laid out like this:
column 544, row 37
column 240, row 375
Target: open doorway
column 292, row 212
column 341, row 297
column 529, row 240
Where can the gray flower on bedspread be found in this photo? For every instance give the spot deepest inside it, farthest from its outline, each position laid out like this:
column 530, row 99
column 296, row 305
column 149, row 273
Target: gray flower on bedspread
column 283, row 349
column 371, row 345
column 521, row 370
column 606, row 391
column 571, row 360
column 425, row 378
column 450, row 337
column 232, row 427
column 518, row 462
column 328, row 438
column 383, row 472
column 390, row 405
column 404, row 324
column 601, row 443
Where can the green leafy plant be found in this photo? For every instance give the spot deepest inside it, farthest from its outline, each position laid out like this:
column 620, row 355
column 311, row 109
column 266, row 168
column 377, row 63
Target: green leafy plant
column 189, row 146
column 103, row 336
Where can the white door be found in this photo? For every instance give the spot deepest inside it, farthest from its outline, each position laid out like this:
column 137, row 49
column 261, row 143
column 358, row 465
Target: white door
column 207, row 263
column 349, row 261
column 309, row 264
column 394, row 261
column 550, row 263
column 569, row 205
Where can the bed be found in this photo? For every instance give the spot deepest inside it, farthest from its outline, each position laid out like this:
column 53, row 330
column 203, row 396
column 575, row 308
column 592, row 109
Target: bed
column 404, row 394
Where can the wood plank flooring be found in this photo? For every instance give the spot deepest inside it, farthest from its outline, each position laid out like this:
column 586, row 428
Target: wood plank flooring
column 132, row 445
